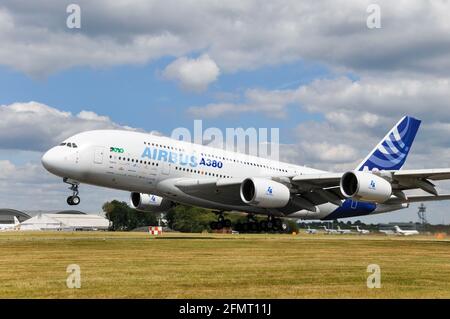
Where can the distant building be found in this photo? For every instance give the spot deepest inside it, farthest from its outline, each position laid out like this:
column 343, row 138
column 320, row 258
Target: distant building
column 70, row 220
column 65, row 222
column 7, row 215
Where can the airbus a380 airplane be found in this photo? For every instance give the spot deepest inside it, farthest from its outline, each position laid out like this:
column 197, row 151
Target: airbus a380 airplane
column 160, row 172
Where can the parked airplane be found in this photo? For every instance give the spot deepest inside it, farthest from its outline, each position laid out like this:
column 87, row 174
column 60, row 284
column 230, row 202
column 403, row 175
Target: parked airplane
column 329, row 230
column 387, row 231
column 343, row 231
column 402, row 232
column 311, row 230
column 362, row 231
column 12, row 226
column 160, row 172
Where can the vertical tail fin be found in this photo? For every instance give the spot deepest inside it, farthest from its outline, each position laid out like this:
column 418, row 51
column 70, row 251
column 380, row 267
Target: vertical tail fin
column 392, row 151
column 16, row 221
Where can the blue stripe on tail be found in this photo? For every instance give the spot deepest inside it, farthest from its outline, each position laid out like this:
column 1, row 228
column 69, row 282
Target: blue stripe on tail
column 391, row 153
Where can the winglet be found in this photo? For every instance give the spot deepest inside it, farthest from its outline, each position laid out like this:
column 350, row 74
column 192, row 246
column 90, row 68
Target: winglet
column 392, row 151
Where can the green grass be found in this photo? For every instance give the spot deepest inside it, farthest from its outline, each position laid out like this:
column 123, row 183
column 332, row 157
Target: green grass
column 135, row 265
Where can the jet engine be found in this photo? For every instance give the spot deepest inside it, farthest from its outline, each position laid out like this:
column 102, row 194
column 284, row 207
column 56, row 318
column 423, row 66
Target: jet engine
column 149, row 203
column 366, row 187
column 262, row 192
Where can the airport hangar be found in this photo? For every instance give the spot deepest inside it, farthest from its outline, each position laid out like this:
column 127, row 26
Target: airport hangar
column 69, row 220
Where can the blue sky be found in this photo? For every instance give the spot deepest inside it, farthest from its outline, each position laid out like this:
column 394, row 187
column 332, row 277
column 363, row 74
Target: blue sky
column 138, row 95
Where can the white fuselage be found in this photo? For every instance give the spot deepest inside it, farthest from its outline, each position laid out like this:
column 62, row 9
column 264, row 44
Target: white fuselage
column 144, row 163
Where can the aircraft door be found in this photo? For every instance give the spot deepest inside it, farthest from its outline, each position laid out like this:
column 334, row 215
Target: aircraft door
column 98, row 155
column 166, row 168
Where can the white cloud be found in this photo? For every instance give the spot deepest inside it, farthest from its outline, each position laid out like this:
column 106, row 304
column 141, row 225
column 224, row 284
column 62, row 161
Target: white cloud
column 356, row 115
column 271, row 103
column 374, row 99
column 37, row 127
column 236, row 35
column 193, row 74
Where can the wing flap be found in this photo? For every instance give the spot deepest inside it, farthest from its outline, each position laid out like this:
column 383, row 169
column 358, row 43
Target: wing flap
column 417, row 199
column 318, row 180
column 433, row 174
column 218, row 190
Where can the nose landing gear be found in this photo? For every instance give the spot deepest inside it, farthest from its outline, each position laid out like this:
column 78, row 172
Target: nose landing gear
column 74, row 199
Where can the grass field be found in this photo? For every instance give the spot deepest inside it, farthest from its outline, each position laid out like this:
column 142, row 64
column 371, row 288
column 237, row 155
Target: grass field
column 135, row 265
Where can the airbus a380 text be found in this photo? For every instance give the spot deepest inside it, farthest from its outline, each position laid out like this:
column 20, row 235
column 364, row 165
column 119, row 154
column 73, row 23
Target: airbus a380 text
column 161, row 172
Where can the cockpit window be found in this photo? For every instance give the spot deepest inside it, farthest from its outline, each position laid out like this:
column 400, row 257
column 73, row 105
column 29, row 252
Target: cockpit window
column 73, row 145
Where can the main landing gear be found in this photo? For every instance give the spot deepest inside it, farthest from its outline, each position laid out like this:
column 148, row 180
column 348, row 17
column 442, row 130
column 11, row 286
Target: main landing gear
column 74, row 199
column 272, row 224
column 220, row 223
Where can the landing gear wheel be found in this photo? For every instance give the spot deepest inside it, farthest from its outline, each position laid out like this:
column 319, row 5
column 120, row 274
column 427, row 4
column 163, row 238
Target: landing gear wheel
column 254, row 227
column 278, row 224
column 213, row 225
column 75, row 200
column 227, row 223
column 221, row 222
column 263, row 225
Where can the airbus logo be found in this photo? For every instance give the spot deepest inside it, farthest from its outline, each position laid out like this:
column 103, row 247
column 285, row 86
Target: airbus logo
column 170, row 157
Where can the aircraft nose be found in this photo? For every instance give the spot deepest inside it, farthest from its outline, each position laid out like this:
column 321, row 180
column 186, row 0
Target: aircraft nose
column 50, row 160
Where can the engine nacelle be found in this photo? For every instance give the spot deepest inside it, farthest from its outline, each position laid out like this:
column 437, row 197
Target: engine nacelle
column 366, row 187
column 149, row 203
column 262, row 192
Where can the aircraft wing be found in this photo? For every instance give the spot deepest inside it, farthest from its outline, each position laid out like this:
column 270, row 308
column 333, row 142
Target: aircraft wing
column 419, row 179
column 433, row 174
column 316, row 189
column 310, row 190
column 224, row 191
column 417, row 199
column 324, row 185
column 318, row 180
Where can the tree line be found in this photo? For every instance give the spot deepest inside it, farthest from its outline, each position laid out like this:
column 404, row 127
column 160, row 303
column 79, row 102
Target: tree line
column 179, row 218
